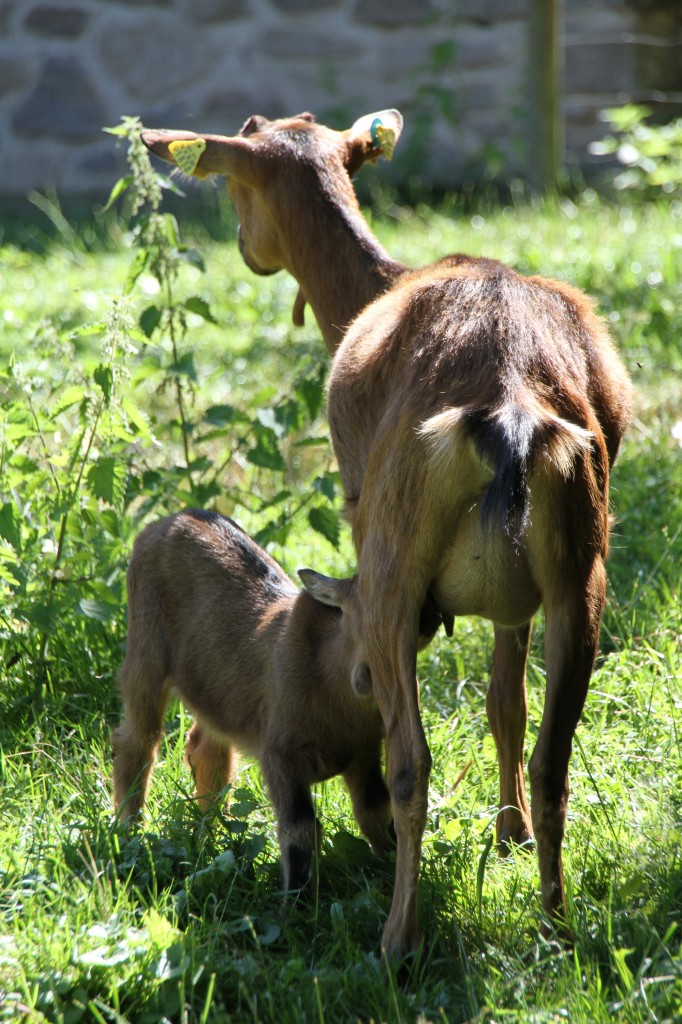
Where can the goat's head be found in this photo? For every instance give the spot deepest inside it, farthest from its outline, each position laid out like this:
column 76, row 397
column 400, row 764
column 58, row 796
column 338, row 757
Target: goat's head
column 342, row 594
column 272, row 165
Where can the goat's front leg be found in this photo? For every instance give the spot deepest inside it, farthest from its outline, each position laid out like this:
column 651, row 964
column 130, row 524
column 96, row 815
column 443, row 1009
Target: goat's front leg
column 571, row 638
column 507, row 708
column 371, row 799
column 299, row 832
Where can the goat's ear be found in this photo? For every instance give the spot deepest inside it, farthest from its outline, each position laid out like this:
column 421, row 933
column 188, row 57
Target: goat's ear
column 324, row 588
column 372, row 136
column 233, row 156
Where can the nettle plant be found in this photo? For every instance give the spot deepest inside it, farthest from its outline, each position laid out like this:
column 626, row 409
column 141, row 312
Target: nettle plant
column 107, row 425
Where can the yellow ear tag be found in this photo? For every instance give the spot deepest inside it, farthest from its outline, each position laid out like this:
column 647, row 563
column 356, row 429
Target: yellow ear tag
column 187, row 153
column 383, row 138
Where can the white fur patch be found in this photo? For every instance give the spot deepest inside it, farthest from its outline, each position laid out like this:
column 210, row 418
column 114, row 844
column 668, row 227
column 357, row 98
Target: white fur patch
column 567, row 441
column 439, row 431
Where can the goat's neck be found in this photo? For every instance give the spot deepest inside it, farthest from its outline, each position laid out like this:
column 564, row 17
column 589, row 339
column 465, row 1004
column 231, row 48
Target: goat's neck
column 346, row 269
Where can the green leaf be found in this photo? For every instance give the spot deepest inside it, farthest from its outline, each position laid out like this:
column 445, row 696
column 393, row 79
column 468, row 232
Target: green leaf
column 351, row 849
column 11, row 566
column 266, row 452
column 9, row 526
column 136, row 268
column 89, row 330
column 223, row 415
column 184, row 367
column 66, row 398
column 326, row 521
column 119, row 129
column 271, row 933
column 195, row 304
column 328, row 484
column 96, row 609
column 312, row 392
column 110, row 522
column 106, row 480
column 242, row 808
column 104, row 378
column 290, row 415
column 119, row 188
column 150, row 318
column 136, row 417
column 191, row 256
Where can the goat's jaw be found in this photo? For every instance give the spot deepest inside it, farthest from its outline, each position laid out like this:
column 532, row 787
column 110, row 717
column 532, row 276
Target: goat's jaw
column 250, row 262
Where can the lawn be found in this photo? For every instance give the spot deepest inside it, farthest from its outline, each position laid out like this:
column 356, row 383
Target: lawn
column 131, row 387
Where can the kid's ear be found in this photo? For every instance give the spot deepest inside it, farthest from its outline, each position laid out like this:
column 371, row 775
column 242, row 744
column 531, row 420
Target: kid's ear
column 325, row 589
column 372, row 136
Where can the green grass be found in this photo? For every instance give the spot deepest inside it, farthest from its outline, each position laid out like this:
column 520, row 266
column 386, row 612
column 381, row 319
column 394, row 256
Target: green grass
column 183, row 919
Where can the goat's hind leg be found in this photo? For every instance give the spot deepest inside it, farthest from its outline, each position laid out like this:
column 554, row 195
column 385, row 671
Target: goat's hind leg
column 393, row 663
column 136, row 741
column 507, row 708
column 571, row 637
column 212, row 764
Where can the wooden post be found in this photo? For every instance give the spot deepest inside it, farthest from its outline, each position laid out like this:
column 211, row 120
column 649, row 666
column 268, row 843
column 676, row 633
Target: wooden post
column 545, row 80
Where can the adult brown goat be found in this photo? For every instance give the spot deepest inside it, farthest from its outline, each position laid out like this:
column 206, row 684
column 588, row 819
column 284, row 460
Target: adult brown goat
column 475, row 415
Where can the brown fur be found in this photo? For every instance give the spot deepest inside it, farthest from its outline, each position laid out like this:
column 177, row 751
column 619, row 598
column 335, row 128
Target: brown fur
column 262, row 667
column 475, row 415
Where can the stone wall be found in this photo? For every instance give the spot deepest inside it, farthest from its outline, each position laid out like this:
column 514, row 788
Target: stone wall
column 456, row 68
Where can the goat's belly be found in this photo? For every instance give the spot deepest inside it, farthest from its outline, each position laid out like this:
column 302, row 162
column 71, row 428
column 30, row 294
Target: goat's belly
column 486, row 575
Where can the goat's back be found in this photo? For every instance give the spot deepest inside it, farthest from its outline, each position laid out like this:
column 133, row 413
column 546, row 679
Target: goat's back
column 205, row 608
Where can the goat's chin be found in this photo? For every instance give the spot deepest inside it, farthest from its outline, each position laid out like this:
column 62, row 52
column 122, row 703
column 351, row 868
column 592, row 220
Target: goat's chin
column 259, row 270
column 250, row 262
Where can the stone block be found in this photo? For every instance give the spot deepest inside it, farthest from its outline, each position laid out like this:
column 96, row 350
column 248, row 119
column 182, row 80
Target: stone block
column 14, row 74
column 292, row 44
column 135, row 3
column 295, row 6
column 596, row 19
column 658, row 64
column 490, row 12
column 101, row 162
column 395, row 13
column 153, row 55
column 56, row 22
column 63, row 105
column 225, row 110
column 207, row 11
column 490, row 46
column 599, row 67
column 7, row 9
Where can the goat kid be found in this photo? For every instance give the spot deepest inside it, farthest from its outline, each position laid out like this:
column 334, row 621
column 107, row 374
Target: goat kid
column 475, row 415
column 263, row 668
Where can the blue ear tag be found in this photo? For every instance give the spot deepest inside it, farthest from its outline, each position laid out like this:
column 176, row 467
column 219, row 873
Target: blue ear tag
column 382, row 138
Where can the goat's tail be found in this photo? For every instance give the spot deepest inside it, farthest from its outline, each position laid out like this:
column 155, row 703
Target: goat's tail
column 510, row 439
